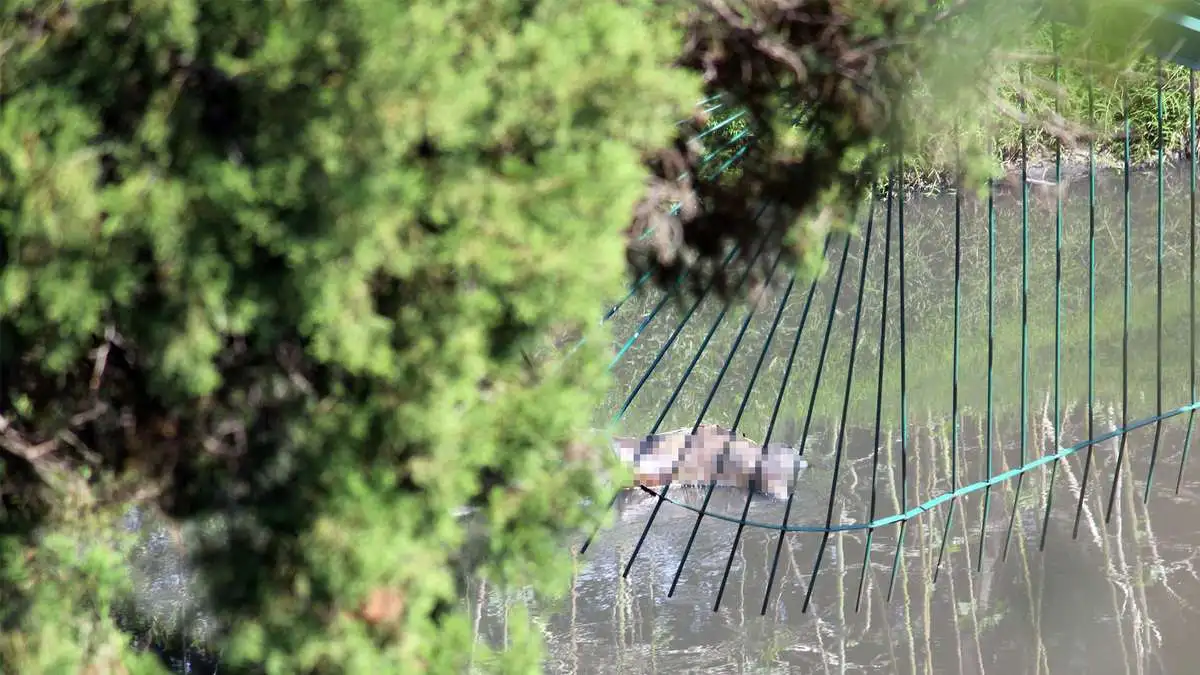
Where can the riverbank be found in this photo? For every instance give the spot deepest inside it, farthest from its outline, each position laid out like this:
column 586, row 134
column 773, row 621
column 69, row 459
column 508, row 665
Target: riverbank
column 1041, row 171
column 1144, row 109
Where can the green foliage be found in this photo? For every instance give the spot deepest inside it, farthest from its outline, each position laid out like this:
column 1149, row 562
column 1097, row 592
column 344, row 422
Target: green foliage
column 279, row 261
column 68, row 586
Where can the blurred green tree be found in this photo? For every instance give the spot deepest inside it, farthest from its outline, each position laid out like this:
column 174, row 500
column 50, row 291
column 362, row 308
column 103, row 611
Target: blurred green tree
column 275, row 263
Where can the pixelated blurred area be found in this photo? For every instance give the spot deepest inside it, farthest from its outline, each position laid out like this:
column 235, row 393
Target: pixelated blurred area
column 710, row 454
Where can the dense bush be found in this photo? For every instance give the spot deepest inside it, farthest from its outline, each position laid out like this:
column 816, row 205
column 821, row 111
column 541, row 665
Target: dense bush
column 276, row 263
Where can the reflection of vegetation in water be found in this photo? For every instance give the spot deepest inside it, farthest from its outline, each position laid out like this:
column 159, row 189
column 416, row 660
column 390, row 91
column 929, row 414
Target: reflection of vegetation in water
column 979, row 613
column 166, row 613
column 929, row 311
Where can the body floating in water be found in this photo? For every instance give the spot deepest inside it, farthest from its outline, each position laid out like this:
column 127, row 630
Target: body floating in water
column 711, row 453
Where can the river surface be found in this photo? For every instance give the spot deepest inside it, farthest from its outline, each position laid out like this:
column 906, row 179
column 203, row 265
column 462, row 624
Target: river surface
column 1121, row 597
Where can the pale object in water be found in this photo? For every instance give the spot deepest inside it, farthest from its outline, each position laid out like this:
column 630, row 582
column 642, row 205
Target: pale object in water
column 711, row 453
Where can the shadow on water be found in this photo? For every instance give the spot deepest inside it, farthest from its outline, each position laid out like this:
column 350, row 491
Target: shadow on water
column 1121, row 598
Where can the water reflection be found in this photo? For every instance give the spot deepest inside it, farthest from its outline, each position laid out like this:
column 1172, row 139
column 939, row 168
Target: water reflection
column 1120, row 598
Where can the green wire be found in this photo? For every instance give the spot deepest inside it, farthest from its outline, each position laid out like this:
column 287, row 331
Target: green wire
column 1058, row 232
column 1122, row 444
column 1012, row 519
column 903, row 383
column 1187, row 439
column 1091, row 350
column 937, row 568
column 1158, row 258
column 991, row 357
column 887, row 261
column 1126, row 426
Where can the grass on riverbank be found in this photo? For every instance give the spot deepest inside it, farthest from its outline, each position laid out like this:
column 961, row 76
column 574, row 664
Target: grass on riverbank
column 1076, row 104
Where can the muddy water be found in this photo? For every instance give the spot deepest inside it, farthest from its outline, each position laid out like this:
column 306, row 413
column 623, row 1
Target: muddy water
column 1121, row 597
